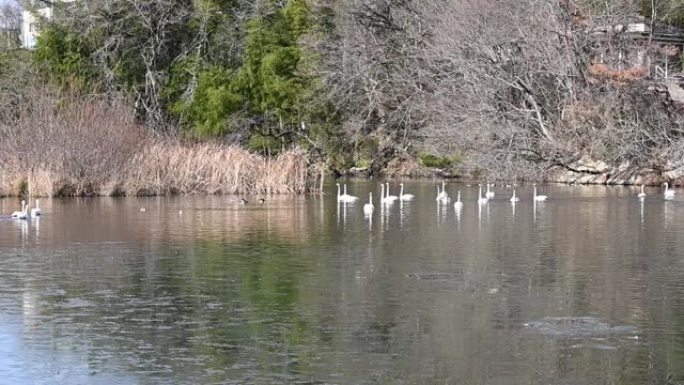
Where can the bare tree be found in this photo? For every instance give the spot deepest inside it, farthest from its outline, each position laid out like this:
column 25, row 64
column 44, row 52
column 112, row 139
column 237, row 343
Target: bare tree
column 515, row 87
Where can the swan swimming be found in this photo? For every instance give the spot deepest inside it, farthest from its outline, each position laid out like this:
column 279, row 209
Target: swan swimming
column 481, row 199
column 668, row 193
column 384, row 200
column 368, row 207
column 538, row 198
column 489, row 194
column 642, row 194
column 405, row 197
column 458, row 204
column 442, row 196
column 23, row 214
column 36, row 211
column 345, row 197
column 514, row 198
column 389, row 197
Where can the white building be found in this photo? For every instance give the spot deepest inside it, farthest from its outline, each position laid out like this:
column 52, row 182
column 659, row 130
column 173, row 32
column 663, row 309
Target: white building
column 31, row 19
column 29, row 25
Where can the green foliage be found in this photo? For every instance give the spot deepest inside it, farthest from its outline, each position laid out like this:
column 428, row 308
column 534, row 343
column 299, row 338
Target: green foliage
column 63, row 57
column 367, row 150
column 266, row 83
column 429, row 160
column 264, row 144
column 214, row 100
column 269, row 76
column 23, row 188
column 222, row 69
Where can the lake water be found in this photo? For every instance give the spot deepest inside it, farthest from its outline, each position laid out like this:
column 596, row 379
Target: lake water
column 586, row 288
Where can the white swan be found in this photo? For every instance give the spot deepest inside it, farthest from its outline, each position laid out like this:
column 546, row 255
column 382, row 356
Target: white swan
column 489, row 194
column 36, row 211
column 514, row 198
column 388, row 196
column 458, row 204
column 642, row 194
column 538, row 198
column 23, row 214
column 442, row 196
column 368, row 207
column 345, row 197
column 481, row 199
column 405, row 197
column 383, row 199
column 668, row 193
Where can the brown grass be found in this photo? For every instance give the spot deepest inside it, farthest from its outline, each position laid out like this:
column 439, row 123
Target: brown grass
column 628, row 75
column 169, row 167
column 55, row 146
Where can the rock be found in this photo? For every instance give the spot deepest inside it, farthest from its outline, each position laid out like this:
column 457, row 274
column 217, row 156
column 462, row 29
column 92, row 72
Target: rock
column 589, row 165
column 362, row 172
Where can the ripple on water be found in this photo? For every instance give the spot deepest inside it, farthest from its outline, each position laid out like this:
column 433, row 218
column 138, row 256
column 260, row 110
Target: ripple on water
column 578, row 327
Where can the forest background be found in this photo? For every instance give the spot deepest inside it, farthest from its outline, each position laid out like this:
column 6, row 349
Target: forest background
column 268, row 96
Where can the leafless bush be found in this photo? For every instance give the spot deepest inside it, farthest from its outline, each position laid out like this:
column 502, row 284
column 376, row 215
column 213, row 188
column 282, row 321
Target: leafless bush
column 66, row 145
column 506, row 85
column 76, row 146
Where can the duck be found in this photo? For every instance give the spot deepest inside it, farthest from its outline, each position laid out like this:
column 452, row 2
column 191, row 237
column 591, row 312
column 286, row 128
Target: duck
column 262, row 200
column 243, row 201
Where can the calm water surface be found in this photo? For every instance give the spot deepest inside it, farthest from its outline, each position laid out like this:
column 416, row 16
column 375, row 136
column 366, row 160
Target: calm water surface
column 587, row 288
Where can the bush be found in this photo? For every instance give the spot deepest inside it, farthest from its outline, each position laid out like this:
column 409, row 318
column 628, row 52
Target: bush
column 429, row 160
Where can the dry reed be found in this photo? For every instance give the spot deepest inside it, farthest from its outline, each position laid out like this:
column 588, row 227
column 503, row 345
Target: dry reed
column 56, row 146
column 169, row 167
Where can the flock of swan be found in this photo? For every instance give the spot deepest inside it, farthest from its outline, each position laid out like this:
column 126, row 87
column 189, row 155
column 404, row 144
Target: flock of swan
column 25, row 214
column 385, row 198
column 443, row 197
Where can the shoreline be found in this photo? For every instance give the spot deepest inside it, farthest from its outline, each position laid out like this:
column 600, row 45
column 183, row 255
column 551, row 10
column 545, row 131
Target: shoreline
column 314, row 187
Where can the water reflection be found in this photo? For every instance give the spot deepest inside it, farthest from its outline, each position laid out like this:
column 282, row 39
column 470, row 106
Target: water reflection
column 457, row 211
column 513, row 204
column 306, row 290
column 442, row 212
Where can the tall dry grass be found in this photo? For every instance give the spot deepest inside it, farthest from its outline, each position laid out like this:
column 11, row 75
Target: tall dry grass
column 73, row 146
column 169, row 167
